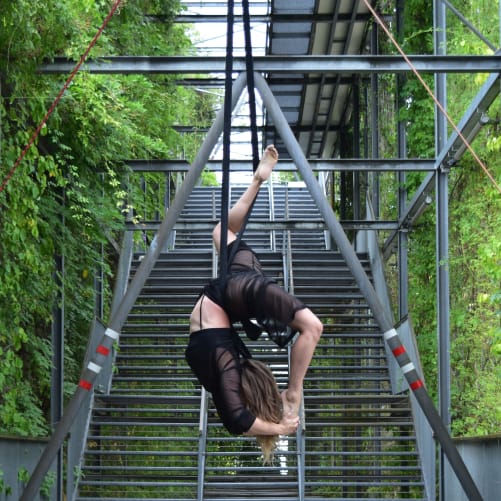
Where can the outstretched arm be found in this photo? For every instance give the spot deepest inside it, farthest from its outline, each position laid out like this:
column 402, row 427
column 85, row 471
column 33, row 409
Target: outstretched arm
column 236, row 216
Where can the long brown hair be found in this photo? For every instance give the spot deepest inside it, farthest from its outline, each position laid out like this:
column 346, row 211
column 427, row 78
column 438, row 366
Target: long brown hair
column 260, row 393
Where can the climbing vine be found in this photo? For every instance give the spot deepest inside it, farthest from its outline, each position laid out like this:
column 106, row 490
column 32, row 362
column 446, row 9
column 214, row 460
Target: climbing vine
column 68, row 196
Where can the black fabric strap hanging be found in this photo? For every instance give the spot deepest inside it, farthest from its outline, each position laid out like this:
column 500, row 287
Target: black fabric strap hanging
column 249, row 66
column 223, row 253
column 252, row 330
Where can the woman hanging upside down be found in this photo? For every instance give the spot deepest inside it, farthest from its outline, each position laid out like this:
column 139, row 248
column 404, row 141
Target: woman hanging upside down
column 244, row 390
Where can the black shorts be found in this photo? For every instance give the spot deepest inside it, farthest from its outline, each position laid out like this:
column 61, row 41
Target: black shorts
column 253, row 295
column 249, row 294
column 214, row 357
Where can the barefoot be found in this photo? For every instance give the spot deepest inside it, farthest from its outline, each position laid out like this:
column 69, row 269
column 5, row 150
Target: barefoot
column 268, row 161
column 290, row 407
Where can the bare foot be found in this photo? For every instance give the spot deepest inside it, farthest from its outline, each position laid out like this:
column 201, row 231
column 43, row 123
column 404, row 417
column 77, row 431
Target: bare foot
column 290, row 406
column 266, row 164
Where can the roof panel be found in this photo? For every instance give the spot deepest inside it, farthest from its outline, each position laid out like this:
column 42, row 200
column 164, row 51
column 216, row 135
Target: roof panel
column 316, row 105
column 338, row 27
column 293, row 6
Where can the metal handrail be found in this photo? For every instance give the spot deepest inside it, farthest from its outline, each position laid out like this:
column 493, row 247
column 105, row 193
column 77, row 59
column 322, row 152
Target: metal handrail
column 289, row 287
column 391, row 336
column 202, row 445
column 367, row 242
column 271, row 200
column 204, row 398
column 116, row 322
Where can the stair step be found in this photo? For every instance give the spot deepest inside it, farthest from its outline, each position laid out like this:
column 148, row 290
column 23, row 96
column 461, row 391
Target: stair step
column 358, row 439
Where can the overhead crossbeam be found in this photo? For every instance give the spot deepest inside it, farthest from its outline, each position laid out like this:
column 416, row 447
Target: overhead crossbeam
column 263, row 18
column 289, row 224
column 359, row 64
column 323, row 165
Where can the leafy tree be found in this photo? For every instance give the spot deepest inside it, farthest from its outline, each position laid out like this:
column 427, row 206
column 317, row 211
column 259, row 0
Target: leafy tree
column 67, row 196
column 475, row 237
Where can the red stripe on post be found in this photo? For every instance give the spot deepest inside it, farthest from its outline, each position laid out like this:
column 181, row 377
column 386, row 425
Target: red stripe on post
column 399, row 350
column 416, row 385
column 86, row 385
column 102, row 350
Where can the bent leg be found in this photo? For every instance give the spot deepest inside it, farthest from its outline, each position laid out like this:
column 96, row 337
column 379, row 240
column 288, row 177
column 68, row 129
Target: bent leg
column 310, row 329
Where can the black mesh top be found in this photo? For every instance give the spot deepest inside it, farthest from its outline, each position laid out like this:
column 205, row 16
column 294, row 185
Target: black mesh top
column 251, row 294
column 213, row 356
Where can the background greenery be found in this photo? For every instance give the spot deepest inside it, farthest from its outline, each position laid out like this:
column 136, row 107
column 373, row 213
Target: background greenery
column 475, row 222
column 68, row 197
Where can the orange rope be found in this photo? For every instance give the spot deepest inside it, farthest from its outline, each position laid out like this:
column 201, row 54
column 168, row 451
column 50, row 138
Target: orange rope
column 430, row 92
column 58, row 97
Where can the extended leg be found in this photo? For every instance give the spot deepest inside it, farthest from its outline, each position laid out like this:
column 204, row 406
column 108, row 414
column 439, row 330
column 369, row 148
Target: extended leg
column 238, row 212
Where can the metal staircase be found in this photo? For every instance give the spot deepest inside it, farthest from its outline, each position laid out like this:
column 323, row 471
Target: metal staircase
column 358, row 441
column 157, row 435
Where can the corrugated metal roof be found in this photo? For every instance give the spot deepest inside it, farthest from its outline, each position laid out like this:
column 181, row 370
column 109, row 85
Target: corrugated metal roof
column 316, row 105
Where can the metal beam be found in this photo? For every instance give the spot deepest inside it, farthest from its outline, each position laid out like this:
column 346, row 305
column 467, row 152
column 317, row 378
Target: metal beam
column 89, row 374
column 382, row 318
column 245, row 128
column 324, row 165
column 264, row 18
column 442, row 243
column 281, row 64
column 265, row 225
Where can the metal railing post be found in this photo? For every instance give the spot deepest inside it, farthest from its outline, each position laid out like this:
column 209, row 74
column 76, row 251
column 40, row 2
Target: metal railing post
column 202, row 444
column 289, row 286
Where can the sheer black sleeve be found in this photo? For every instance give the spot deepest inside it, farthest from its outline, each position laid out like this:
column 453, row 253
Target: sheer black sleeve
column 236, row 418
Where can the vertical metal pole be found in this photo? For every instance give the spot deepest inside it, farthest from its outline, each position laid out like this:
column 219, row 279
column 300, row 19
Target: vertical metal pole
column 99, row 276
column 442, row 240
column 99, row 285
column 356, row 151
column 403, row 257
column 57, row 380
column 375, row 122
column 443, row 307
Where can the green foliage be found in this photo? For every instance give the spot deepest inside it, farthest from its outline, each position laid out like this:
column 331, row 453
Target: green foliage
column 67, row 196
column 417, row 114
column 475, row 238
column 4, row 487
column 475, row 282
